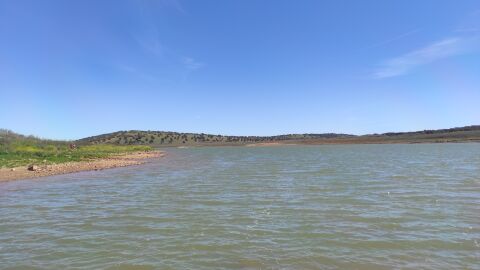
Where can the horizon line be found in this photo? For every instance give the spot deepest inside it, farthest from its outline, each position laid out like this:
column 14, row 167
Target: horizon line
column 223, row 135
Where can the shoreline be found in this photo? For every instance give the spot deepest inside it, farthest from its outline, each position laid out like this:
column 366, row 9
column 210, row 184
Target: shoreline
column 114, row 161
column 313, row 142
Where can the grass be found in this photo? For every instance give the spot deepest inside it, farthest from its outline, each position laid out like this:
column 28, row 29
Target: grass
column 17, row 150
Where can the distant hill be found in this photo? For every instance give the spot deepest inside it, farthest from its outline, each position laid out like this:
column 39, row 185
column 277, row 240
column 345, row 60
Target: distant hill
column 163, row 138
column 436, row 131
column 176, row 138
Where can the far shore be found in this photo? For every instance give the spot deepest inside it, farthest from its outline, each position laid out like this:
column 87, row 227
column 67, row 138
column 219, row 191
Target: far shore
column 114, row 161
column 339, row 141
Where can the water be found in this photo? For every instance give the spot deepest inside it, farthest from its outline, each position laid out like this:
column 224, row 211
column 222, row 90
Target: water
column 292, row 207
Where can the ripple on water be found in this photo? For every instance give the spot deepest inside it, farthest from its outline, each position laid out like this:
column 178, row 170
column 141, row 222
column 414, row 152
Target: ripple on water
column 295, row 207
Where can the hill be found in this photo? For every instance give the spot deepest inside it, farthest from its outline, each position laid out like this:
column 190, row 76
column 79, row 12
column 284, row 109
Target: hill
column 176, row 138
column 163, row 138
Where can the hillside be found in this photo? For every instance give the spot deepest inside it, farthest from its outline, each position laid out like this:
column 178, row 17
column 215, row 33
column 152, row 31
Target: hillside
column 162, row 138
column 18, row 150
column 176, row 138
column 461, row 134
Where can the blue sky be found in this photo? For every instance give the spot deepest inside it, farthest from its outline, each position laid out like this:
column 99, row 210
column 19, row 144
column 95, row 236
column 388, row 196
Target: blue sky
column 70, row 69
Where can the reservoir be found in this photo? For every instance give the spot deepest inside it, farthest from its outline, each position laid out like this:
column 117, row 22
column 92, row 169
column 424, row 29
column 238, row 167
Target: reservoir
column 402, row 206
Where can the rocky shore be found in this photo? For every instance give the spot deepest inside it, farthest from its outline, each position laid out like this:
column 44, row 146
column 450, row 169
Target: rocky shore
column 121, row 160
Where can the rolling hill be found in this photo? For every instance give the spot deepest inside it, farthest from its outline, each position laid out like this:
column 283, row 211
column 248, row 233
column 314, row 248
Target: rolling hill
column 162, row 138
column 176, row 138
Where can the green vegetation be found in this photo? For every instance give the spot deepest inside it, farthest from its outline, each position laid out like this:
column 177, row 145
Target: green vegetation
column 18, row 150
column 158, row 138
column 162, row 138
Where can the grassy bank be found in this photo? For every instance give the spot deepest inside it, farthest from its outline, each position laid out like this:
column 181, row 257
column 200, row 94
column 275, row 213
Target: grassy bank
column 17, row 150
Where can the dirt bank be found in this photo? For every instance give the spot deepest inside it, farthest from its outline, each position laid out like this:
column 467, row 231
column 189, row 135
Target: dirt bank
column 122, row 160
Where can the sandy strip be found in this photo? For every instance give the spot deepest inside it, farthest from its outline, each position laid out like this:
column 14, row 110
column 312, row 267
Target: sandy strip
column 268, row 144
column 122, row 160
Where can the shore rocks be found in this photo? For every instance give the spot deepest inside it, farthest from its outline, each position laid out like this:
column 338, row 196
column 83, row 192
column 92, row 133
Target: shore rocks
column 33, row 168
column 32, row 171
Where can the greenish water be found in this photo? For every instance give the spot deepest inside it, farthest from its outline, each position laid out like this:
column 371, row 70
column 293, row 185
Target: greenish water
column 292, row 207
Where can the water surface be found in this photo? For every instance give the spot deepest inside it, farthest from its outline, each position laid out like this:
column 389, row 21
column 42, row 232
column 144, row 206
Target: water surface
column 291, row 207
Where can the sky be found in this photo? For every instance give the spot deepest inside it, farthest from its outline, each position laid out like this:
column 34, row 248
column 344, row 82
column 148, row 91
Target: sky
column 71, row 69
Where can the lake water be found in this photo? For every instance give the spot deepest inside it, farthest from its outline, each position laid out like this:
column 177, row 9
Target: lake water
column 290, row 207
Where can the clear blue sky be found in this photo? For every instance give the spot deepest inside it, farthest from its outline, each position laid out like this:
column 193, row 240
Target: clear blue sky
column 70, row 69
